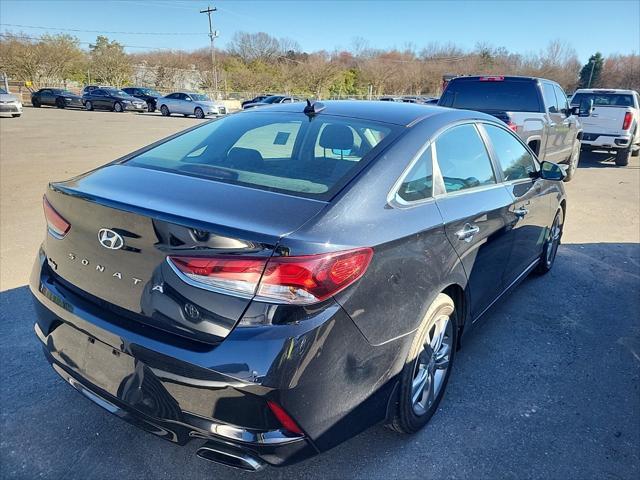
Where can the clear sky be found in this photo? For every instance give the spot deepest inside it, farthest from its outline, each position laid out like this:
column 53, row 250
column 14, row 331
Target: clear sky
column 520, row 26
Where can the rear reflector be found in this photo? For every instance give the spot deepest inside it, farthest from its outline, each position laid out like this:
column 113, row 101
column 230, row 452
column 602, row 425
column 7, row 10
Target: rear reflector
column 57, row 226
column 626, row 123
column 498, row 78
column 298, row 280
column 283, row 417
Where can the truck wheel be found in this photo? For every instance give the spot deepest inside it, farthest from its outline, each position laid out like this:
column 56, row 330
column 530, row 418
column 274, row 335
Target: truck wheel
column 622, row 157
column 573, row 163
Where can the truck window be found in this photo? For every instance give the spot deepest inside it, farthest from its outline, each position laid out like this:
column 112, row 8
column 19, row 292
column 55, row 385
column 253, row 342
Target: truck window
column 492, row 96
column 550, row 97
column 604, row 99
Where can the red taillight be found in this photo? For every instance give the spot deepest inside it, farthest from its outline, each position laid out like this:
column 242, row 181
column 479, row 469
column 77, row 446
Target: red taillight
column 57, row 226
column 512, row 126
column 299, row 280
column 626, row 123
column 497, row 78
column 237, row 275
column 283, row 417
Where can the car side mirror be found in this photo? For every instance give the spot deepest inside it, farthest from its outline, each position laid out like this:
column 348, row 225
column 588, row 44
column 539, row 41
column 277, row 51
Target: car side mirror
column 551, row 171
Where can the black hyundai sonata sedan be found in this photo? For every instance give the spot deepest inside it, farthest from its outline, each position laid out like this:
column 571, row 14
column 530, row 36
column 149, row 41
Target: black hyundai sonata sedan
column 274, row 282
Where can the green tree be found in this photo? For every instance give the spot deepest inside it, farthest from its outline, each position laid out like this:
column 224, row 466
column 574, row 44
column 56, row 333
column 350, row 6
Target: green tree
column 590, row 73
column 109, row 62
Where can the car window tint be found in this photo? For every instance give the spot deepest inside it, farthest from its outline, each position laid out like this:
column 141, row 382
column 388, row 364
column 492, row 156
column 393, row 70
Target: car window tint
column 273, row 151
column 515, row 160
column 549, row 97
column 418, row 184
column 604, row 99
column 494, row 96
column 463, row 159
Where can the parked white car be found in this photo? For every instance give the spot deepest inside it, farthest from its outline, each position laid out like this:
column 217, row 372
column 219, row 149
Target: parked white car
column 188, row 103
column 612, row 123
column 10, row 103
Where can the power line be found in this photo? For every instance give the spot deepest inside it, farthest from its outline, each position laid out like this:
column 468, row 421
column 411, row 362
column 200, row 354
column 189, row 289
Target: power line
column 98, row 31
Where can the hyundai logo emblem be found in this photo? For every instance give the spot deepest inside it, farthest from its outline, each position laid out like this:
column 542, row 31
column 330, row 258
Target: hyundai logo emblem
column 110, row 239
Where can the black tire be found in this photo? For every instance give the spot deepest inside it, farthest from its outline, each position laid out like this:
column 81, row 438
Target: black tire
column 117, row 107
column 151, row 107
column 35, row 103
column 60, row 103
column 551, row 244
column 88, row 105
column 198, row 113
column 636, row 152
column 573, row 162
column 622, row 157
column 406, row 419
column 164, row 110
column 16, row 115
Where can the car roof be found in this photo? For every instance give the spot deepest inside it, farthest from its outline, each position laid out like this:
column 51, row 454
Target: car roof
column 604, row 90
column 505, row 77
column 398, row 113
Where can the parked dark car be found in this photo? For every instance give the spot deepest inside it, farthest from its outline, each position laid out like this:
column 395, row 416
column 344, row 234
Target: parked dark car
column 112, row 99
column 272, row 100
column 149, row 95
column 276, row 281
column 56, row 97
column 257, row 99
column 536, row 109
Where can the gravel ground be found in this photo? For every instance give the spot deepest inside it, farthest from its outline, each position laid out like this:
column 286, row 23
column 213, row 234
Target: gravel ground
column 548, row 387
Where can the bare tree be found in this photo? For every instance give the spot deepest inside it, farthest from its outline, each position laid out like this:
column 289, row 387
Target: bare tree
column 109, row 63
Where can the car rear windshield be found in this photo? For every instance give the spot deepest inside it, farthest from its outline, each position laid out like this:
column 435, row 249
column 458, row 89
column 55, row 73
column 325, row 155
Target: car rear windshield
column 604, row 99
column 492, row 96
column 279, row 151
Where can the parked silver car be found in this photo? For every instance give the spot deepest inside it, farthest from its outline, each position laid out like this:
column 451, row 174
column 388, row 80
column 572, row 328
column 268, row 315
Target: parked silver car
column 10, row 103
column 188, row 103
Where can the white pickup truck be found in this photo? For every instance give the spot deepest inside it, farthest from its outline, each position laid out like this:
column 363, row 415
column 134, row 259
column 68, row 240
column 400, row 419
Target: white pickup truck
column 613, row 122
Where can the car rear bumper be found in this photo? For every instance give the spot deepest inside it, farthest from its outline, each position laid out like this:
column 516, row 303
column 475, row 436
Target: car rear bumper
column 321, row 371
column 605, row 141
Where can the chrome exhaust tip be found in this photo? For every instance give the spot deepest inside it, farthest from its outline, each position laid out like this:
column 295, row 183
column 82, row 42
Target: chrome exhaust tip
column 230, row 457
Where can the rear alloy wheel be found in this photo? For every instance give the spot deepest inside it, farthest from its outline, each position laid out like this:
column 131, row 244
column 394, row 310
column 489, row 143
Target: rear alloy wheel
column 622, row 157
column 428, row 366
column 88, row 105
column 164, row 111
column 573, row 162
column 551, row 245
column 198, row 113
column 117, row 107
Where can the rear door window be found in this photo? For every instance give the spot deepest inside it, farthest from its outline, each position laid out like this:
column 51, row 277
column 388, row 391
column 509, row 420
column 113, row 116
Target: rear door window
column 463, row 159
column 492, row 96
column 563, row 104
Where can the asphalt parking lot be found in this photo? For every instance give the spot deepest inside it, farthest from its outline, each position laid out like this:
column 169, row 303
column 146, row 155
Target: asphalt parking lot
column 548, row 387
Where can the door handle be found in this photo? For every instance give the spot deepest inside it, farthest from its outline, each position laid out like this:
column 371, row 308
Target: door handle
column 521, row 212
column 593, row 115
column 467, row 232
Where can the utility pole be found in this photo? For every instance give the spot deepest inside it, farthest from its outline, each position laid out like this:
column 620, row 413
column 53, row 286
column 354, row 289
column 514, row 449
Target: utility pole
column 213, row 34
column 593, row 64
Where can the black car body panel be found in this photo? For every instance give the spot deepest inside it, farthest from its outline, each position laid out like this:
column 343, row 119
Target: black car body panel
column 56, row 97
column 107, row 99
column 332, row 365
column 150, row 97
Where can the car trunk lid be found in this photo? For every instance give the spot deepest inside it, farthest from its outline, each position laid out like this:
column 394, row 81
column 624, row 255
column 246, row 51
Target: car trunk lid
column 157, row 214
